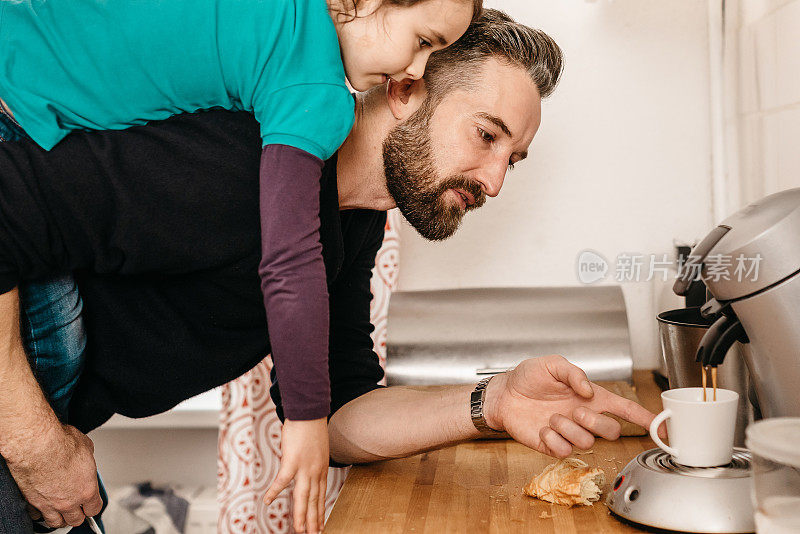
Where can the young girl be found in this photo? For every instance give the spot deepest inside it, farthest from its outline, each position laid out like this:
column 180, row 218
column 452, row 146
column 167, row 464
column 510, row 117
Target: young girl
column 109, row 64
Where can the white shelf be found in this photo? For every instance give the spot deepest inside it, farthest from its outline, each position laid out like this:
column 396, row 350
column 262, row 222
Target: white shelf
column 201, row 411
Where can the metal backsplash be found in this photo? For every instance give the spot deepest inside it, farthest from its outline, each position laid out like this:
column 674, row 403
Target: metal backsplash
column 461, row 335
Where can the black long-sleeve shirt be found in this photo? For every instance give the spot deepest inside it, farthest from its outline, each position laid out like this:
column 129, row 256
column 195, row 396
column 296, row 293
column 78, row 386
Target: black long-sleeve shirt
column 160, row 223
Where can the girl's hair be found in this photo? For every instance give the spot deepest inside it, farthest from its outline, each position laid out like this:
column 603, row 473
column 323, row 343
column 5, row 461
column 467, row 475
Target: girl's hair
column 348, row 9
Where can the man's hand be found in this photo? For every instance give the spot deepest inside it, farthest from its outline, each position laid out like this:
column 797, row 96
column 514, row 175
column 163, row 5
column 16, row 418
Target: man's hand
column 549, row 405
column 57, row 475
column 53, row 464
column 304, row 458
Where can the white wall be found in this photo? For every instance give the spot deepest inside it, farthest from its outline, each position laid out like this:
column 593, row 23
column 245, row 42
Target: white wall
column 621, row 162
column 768, row 111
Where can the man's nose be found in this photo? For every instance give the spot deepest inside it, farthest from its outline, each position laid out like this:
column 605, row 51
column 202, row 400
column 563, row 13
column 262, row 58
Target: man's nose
column 417, row 67
column 492, row 178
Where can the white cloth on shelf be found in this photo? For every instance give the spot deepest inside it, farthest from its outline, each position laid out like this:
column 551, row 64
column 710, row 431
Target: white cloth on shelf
column 141, row 509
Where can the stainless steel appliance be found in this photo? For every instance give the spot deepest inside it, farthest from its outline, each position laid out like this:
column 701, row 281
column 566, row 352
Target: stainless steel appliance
column 459, row 336
column 757, row 297
column 654, row 490
column 751, row 265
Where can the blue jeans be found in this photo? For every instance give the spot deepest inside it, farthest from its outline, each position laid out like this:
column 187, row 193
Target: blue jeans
column 54, row 337
column 52, row 327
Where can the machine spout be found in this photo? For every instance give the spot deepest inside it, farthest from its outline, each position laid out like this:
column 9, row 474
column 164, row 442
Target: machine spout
column 718, row 340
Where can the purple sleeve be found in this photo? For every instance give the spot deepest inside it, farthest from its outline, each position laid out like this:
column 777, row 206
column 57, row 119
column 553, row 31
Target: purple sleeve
column 293, row 279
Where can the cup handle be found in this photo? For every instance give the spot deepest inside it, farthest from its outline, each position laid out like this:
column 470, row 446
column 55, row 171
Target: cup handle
column 660, row 418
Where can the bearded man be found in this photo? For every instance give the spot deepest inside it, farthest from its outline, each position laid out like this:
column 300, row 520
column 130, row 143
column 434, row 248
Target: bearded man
column 160, row 225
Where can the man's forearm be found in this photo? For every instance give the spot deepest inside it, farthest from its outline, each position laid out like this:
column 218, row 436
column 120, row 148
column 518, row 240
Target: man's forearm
column 25, row 414
column 545, row 403
column 400, row 421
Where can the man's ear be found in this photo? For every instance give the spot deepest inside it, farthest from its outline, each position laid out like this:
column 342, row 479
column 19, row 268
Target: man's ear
column 405, row 97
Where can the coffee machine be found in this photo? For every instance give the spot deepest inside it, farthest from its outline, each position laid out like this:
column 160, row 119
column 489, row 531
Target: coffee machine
column 751, row 265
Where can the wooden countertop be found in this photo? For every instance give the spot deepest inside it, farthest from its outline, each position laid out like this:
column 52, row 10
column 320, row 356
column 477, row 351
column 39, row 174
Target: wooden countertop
column 477, row 487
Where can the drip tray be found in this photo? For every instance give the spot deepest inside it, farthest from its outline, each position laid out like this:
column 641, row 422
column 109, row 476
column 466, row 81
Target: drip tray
column 661, row 462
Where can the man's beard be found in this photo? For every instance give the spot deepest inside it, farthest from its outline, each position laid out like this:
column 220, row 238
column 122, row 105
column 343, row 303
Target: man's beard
column 414, row 183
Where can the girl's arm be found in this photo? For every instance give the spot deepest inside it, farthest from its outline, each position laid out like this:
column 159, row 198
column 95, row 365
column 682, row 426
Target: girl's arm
column 293, row 279
column 295, row 290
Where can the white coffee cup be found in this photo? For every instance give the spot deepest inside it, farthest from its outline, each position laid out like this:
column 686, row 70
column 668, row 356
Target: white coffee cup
column 700, row 432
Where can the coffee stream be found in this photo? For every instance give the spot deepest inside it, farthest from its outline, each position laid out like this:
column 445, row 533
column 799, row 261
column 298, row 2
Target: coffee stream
column 705, row 381
column 714, row 381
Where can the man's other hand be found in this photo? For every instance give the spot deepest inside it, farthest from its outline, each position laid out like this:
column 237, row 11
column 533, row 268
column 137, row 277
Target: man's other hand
column 57, row 475
column 549, row 405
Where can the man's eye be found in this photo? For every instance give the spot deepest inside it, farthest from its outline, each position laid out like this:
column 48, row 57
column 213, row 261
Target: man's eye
column 486, row 136
column 423, row 43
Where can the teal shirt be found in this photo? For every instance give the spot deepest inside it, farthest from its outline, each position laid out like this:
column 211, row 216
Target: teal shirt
column 109, row 64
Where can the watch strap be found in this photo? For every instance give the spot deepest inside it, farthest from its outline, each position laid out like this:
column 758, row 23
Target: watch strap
column 476, row 401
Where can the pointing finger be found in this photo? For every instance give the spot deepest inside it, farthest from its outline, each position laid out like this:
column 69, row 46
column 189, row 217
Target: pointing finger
column 622, row 407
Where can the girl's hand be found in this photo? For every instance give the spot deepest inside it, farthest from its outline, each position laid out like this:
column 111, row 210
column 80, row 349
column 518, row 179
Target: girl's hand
column 304, row 448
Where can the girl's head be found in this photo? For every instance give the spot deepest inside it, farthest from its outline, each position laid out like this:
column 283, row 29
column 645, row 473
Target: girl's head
column 382, row 39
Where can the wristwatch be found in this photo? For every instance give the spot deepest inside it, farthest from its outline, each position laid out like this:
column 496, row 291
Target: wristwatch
column 476, row 411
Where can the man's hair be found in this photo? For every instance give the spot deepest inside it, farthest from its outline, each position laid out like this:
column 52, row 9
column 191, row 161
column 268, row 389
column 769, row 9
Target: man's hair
column 494, row 35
